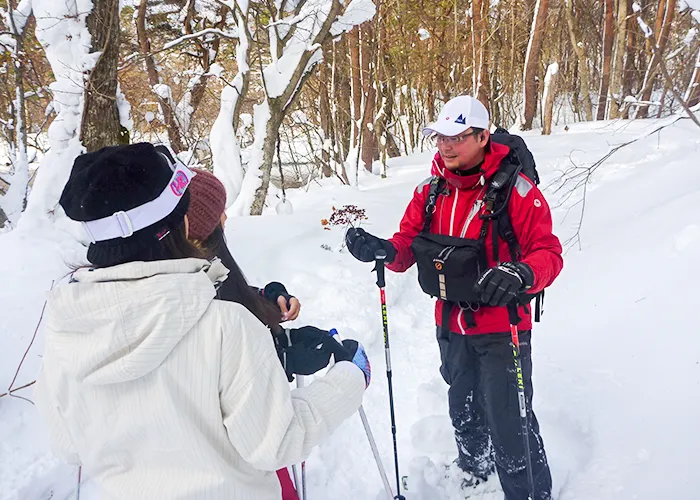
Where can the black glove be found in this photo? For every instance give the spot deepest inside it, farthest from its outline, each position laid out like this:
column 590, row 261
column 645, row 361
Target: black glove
column 363, row 246
column 275, row 290
column 306, row 350
column 501, row 285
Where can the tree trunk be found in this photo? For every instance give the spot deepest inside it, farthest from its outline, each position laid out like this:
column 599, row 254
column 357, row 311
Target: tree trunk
column 692, row 95
column 100, row 124
column 325, row 113
column 617, row 72
column 15, row 194
column 369, row 143
column 628, row 68
column 582, row 61
column 664, row 19
column 272, row 131
column 355, row 84
column 548, row 98
column 171, row 124
column 532, row 64
column 480, row 27
column 342, row 111
column 608, row 40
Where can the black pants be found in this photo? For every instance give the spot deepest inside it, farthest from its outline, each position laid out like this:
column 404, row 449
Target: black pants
column 483, row 401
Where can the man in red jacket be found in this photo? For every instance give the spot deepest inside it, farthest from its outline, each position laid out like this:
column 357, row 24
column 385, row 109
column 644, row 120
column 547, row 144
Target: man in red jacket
column 474, row 335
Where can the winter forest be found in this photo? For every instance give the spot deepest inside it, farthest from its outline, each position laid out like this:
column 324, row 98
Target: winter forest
column 283, row 93
column 311, row 115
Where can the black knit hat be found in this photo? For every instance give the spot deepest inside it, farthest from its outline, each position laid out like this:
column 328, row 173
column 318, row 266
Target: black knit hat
column 120, row 178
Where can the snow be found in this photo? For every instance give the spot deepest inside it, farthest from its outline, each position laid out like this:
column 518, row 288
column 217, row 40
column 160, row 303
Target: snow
column 358, row 12
column 163, row 91
column 696, row 15
column 284, row 207
column 253, row 176
column 423, row 34
column 216, row 70
column 225, row 149
column 616, row 356
column 61, row 30
column 20, row 14
column 124, row 110
column 691, row 4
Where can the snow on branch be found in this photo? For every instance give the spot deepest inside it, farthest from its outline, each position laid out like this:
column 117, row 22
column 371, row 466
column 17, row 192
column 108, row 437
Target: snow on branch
column 358, row 12
column 209, row 31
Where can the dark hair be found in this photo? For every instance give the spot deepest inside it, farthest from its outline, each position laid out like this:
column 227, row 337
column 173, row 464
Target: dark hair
column 235, row 288
column 476, row 131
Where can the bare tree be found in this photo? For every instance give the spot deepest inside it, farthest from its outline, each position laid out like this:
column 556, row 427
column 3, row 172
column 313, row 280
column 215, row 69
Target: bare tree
column 14, row 199
column 620, row 53
column 608, row 40
column 657, row 46
column 174, row 136
column 532, row 64
column 480, row 28
column 577, row 45
column 100, row 125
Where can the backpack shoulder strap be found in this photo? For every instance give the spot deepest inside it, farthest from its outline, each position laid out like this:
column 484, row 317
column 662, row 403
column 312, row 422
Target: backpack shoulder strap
column 437, row 186
column 496, row 201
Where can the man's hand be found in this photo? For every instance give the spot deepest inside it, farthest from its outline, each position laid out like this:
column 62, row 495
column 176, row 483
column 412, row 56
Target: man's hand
column 500, row 285
column 363, row 246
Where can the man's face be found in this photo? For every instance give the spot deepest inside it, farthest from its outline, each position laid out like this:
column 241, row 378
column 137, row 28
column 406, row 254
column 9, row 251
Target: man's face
column 463, row 151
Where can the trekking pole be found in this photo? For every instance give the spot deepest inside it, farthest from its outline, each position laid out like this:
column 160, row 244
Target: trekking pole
column 380, row 260
column 375, row 452
column 300, row 384
column 370, row 437
column 514, row 320
column 295, row 474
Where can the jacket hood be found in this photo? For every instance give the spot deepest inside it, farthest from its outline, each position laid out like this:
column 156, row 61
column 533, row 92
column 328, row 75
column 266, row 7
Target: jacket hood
column 492, row 160
column 119, row 323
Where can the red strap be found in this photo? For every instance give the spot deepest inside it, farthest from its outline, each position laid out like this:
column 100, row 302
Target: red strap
column 288, row 490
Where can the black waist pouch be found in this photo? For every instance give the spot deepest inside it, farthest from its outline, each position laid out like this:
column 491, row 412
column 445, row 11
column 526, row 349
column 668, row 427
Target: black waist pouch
column 448, row 266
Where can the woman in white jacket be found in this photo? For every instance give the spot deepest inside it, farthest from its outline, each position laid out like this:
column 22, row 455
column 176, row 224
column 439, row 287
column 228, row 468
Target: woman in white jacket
column 156, row 388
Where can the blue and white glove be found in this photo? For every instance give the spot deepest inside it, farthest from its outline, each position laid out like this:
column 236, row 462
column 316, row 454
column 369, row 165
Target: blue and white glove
column 354, row 352
column 359, row 358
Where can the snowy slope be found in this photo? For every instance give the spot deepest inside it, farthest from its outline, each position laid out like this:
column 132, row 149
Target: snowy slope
column 617, row 356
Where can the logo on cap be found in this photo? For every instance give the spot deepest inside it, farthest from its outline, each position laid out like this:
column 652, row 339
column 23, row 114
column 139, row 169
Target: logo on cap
column 179, row 184
column 460, row 119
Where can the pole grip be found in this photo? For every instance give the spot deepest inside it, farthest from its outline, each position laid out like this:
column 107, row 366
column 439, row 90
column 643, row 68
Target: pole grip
column 379, row 267
column 513, row 315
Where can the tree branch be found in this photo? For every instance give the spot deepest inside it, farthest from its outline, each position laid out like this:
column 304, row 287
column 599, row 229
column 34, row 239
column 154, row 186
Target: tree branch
column 582, row 179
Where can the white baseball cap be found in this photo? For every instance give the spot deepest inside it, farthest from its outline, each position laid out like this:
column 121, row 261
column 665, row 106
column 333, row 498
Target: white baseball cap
column 458, row 115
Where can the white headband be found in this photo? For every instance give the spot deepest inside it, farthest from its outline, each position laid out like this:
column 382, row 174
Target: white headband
column 123, row 224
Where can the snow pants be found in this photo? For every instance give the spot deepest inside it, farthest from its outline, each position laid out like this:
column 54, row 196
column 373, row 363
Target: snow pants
column 483, row 406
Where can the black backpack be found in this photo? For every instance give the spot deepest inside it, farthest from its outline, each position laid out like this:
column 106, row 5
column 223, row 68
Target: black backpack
column 519, row 160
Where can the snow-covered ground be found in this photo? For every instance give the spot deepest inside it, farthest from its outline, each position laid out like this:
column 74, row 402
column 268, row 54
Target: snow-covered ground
column 616, row 357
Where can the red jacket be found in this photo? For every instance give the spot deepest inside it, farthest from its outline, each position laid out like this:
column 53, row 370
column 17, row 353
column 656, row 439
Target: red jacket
column 532, row 224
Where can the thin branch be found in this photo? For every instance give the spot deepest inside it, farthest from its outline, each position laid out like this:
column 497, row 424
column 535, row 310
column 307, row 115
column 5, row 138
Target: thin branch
column 669, row 82
column 9, row 393
column 10, row 389
column 584, row 178
column 198, row 34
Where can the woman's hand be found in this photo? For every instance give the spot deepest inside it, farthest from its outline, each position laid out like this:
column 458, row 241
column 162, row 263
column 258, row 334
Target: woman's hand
column 289, row 308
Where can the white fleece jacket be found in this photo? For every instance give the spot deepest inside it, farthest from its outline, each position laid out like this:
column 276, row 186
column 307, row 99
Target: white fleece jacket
column 162, row 392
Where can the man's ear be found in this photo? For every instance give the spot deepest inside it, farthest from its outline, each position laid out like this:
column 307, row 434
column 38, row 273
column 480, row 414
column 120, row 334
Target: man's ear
column 484, row 138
